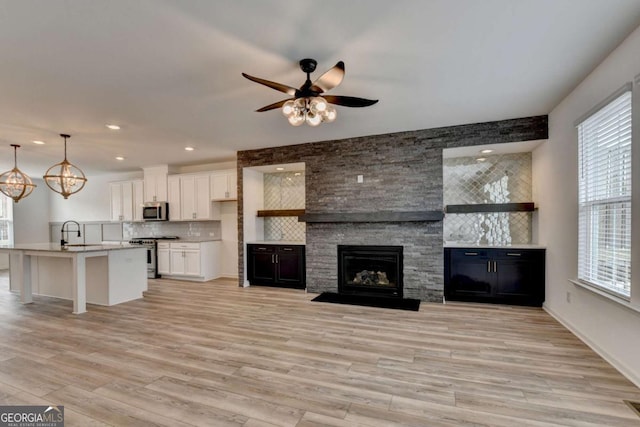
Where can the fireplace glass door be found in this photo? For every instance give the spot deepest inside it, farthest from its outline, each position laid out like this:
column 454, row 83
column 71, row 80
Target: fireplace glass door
column 370, row 270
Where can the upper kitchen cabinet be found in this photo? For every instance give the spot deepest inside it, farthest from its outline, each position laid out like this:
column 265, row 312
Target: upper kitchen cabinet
column 155, row 183
column 189, row 198
column 126, row 199
column 224, row 185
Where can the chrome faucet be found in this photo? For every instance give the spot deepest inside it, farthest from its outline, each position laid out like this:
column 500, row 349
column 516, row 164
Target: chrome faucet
column 62, row 231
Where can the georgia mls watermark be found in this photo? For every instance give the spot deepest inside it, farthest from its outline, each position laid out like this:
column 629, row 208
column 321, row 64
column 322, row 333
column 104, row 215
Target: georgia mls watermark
column 32, row 416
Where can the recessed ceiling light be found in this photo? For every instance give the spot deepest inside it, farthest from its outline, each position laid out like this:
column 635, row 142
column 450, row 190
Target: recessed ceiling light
column 112, row 127
column 38, row 142
column 189, row 148
column 487, row 151
column 119, row 158
column 481, row 159
column 279, row 169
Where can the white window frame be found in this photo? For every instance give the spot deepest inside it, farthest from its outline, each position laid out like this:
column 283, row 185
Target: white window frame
column 604, row 204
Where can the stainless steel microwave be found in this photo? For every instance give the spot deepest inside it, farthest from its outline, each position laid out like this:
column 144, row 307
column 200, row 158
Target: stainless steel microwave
column 155, row 211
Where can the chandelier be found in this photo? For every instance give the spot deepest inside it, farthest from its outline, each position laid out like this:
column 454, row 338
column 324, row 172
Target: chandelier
column 15, row 183
column 64, row 177
column 310, row 110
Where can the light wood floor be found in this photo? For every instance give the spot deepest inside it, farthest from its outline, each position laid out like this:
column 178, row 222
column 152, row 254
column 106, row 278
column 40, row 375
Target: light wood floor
column 213, row 354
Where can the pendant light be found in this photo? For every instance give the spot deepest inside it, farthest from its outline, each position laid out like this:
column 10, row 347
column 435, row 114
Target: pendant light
column 64, row 177
column 15, row 183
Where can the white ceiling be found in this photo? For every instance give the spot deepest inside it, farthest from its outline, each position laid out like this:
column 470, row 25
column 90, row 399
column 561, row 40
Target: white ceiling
column 169, row 71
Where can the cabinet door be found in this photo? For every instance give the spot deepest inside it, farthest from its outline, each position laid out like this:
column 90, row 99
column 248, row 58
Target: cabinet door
column 191, row 263
column 232, row 184
column 115, row 190
column 219, row 189
column 127, row 201
column 187, row 198
column 468, row 274
column 138, row 199
column 290, row 266
column 520, row 277
column 261, row 264
column 173, row 193
column 177, row 262
column 164, row 263
column 202, row 199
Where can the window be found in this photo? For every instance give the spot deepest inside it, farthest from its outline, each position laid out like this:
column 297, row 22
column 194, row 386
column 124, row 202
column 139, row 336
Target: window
column 604, row 196
column 6, row 216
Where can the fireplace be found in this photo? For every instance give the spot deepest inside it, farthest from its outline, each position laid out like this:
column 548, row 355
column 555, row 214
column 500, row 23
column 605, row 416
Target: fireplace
column 370, row 270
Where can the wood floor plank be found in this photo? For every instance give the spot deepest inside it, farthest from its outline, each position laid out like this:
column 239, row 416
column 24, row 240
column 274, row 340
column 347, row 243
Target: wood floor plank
column 215, row 354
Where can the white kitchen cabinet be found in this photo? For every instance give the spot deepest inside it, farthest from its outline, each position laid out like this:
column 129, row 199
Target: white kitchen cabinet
column 155, row 184
column 199, row 261
column 224, row 185
column 189, row 199
column 164, row 259
column 138, row 199
column 173, row 197
column 126, row 200
column 121, row 194
column 195, row 197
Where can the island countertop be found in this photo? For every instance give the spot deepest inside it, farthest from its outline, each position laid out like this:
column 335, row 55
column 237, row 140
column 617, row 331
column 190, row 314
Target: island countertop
column 56, row 247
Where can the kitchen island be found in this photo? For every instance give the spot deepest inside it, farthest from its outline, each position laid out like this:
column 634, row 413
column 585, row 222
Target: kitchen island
column 103, row 274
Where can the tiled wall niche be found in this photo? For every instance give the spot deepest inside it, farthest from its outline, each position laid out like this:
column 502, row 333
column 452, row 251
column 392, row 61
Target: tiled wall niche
column 284, row 190
column 502, row 178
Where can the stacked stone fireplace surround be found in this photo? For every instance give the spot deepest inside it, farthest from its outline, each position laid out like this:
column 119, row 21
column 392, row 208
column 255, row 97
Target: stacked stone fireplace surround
column 402, row 173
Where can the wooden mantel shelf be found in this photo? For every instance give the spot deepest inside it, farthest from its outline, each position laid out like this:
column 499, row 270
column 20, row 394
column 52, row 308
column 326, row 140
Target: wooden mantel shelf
column 490, row 207
column 381, row 216
column 281, row 212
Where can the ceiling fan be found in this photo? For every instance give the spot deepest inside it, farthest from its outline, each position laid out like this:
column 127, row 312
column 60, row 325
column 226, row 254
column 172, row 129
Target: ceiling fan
column 309, row 104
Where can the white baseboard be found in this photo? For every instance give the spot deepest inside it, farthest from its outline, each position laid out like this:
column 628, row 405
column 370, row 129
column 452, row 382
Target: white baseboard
column 621, row 367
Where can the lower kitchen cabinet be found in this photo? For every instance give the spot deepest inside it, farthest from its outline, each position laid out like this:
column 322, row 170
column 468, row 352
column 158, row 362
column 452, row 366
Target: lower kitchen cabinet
column 198, row 261
column 495, row 275
column 276, row 265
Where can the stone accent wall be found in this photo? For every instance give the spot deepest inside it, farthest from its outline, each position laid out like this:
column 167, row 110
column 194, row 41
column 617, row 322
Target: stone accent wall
column 402, row 172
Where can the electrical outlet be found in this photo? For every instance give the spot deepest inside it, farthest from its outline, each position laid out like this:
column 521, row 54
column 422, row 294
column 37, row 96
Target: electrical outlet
column 360, row 179
column 569, row 297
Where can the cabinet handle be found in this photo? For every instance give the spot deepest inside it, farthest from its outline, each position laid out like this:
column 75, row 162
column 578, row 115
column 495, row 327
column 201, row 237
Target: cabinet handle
column 272, row 259
column 276, row 258
column 495, row 267
column 287, row 249
column 513, row 254
column 471, row 253
column 488, row 266
column 154, row 198
column 226, row 194
column 261, row 249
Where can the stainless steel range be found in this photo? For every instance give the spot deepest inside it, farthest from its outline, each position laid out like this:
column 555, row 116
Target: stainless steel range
column 151, row 243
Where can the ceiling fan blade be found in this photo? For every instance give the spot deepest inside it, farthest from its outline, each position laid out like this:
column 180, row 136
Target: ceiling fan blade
column 349, row 101
column 330, row 79
column 273, row 106
column 273, row 85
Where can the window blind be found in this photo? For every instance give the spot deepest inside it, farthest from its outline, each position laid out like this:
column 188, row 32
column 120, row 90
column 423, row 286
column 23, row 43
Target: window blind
column 604, row 197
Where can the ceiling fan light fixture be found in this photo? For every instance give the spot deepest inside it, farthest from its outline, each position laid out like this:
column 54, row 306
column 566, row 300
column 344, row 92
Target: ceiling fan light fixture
column 310, row 110
column 15, row 183
column 65, row 178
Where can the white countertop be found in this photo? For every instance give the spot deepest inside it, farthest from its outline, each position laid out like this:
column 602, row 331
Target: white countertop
column 485, row 246
column 55, row 247
column 277, row 242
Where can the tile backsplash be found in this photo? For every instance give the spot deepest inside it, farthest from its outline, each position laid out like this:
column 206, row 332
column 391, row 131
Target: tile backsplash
column 502, row 178
column 184, row 230
column 284, row 191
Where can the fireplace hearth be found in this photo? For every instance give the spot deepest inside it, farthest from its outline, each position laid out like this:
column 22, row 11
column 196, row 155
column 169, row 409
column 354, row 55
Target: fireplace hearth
column 370, row 270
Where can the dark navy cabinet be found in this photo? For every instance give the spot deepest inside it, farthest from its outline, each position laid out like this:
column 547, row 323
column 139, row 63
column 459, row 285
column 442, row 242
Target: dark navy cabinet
column 495, row 275
column 276, row 265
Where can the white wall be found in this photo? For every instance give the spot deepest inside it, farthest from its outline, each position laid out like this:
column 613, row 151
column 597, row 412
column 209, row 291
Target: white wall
column 92, row 203
column 229, row 228
column 31, row 216
column 610, row 328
